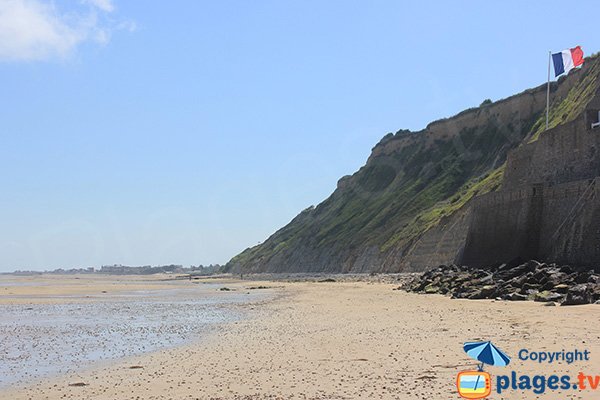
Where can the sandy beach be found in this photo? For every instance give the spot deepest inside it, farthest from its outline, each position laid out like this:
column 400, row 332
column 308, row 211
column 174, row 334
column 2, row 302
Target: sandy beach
column 330, row 340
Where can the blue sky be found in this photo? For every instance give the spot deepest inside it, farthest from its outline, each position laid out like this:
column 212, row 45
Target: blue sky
column 185, row 131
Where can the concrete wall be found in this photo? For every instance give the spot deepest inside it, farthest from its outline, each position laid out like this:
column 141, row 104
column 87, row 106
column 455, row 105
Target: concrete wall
column 504, row 225
column 442, row 244
column 549, row 205
column 566, row 153
column 570, row 232
column 559, row 223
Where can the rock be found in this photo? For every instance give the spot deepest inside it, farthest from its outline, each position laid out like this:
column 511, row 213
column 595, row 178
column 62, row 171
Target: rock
column 431, row 289
column 486, row 292
column 78, row 384
column 595, row 291
column 327, row 280
column 530, row 286
column 532, row 265
column 489, row 291
column 562, row 288
column 558, row 278
column 584, row 277
column 514, row 281
column 566, row 269
column 550, row 304
column 547, row 296
column 578, row 294
column 486, row 279
column 511, row 264
column 539, row 277
column 515, row 272
column 517, row 281
column 516, row 297
column 553, row 269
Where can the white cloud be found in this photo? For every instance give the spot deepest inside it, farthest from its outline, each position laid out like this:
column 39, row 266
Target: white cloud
column 104, row 5
column 32, row 30
column 129, row 26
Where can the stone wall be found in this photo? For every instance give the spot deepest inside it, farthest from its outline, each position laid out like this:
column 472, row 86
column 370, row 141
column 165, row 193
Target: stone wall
column 566, row 153
column 570, row 230
column 559, row 223
column 502, row 227
column 442, row 244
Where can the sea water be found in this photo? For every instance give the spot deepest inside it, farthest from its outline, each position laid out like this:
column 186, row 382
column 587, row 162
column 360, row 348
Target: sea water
column 38, row 340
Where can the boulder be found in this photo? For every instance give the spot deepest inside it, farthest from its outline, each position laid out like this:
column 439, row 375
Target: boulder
column 566, row 269
column 530, row 286
column 516, row 281
column 584, row 277
column 594, row 279
column 547, row 296
column 518, row 271
column 516, row 297
column 485, row 292
column 595, row 292
column 578, row 294
column 561, row 288
column 431, row 289
column 558, row 278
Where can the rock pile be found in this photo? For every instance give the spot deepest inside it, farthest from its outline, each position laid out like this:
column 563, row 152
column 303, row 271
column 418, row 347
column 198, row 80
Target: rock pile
column 530, row 280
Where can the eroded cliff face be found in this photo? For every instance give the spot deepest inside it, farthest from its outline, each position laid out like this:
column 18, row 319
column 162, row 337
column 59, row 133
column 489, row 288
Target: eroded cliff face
column 408, row 207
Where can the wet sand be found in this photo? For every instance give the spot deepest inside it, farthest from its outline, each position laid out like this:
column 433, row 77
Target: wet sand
column 341, row 341
column 72, row 323
column 57, row 288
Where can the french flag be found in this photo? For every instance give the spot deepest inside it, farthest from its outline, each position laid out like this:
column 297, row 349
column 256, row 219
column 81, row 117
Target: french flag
column 566, row 60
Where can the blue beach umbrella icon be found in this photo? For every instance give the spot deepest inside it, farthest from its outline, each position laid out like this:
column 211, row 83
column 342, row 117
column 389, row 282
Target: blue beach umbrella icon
column 486, row 353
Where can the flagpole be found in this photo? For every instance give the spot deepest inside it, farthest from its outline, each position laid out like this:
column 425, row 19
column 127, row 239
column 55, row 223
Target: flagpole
column 548, row 90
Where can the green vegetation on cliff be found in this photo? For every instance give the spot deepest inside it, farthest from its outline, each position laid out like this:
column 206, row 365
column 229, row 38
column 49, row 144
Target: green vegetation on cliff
column 569, row 108
column 412, row 182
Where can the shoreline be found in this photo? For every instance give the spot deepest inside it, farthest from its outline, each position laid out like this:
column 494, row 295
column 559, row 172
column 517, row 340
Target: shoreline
column 79, row 324
column 340, row 340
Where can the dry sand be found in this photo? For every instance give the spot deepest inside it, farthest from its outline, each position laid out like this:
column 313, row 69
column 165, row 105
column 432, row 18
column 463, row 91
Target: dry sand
column 342, row 341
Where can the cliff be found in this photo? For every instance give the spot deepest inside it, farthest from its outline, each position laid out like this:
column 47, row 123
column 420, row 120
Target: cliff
column 409, row 207
column 549, row 205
